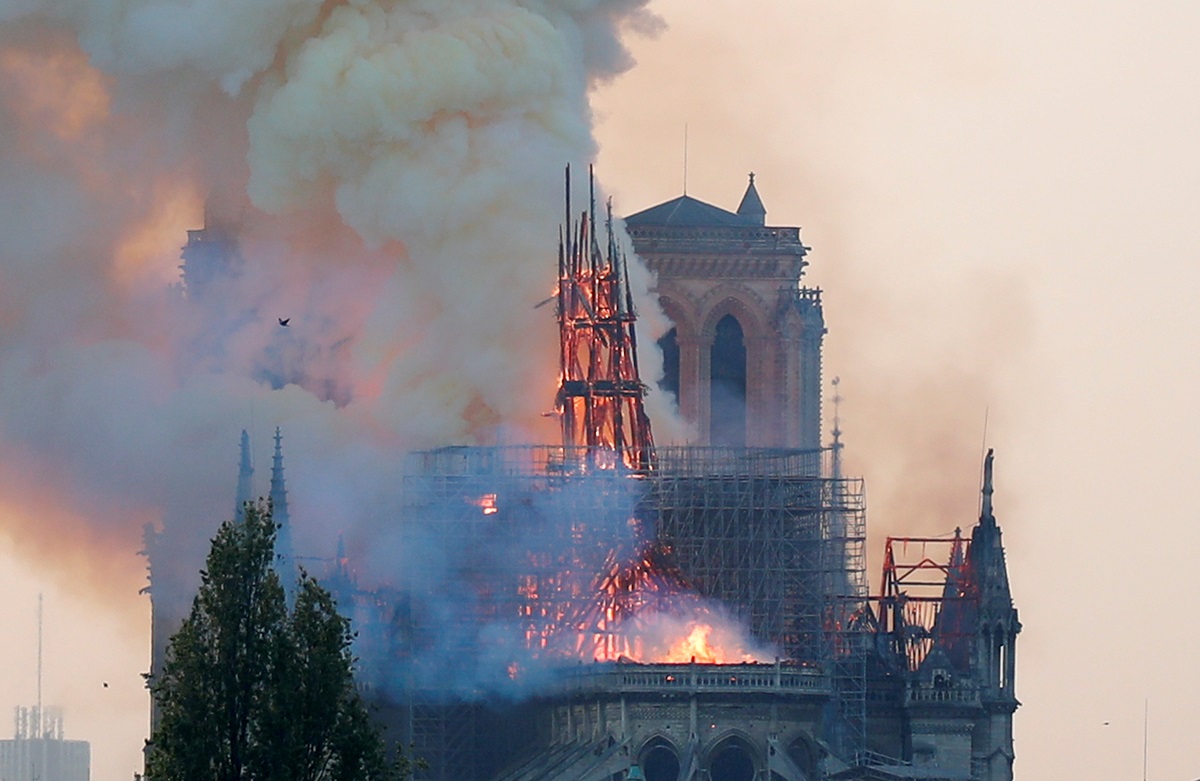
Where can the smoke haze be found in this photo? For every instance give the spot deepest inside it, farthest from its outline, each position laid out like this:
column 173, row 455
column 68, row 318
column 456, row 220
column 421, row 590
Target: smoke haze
column 926, row 346
column 391, row 175
column 1000, row 198
column 1029, row 163
column 390, row 178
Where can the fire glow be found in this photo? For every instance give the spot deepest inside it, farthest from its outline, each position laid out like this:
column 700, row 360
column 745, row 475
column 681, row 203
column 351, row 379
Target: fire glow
column 645, row 612
column 638, row 609
column 487, row 503
column 703, row 638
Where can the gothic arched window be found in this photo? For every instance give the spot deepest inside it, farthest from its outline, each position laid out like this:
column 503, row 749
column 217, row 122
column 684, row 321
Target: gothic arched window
column 731, row 762
column 727, row 407
column 669, row 344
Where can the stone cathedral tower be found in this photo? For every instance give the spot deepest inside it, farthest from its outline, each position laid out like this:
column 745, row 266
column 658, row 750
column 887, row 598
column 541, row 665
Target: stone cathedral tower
column 744, row 358
column 916, row 683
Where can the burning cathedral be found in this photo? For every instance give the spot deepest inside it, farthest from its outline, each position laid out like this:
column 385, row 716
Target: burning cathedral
column 610, row 609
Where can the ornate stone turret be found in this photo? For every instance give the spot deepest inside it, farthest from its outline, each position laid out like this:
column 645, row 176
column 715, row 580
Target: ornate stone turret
column 995, row 643
column 285, row 554
column 960, row 696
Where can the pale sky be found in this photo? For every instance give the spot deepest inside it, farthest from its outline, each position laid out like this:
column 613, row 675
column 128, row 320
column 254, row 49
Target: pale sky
column 1001, row 199
column 1001, row 202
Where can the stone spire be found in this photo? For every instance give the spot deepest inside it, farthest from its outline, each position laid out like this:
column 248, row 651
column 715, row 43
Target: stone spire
column 245, row 482
column 987, row 552
column 995, row 654
column 279, row 505
column 285, row 556
column 985, row 514
column 751, row 207
column 339, row 579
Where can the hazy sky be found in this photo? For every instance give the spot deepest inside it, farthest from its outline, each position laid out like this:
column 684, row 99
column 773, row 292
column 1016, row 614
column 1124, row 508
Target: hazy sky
column 1001, row 199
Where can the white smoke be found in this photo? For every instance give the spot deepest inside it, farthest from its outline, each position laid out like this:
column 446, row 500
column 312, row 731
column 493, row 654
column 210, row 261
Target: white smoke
column 392, row 173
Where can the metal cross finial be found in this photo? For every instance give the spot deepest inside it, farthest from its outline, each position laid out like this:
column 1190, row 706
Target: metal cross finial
column 751, row 177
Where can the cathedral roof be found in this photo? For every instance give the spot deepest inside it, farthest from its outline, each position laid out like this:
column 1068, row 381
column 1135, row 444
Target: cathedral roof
column 688, row 212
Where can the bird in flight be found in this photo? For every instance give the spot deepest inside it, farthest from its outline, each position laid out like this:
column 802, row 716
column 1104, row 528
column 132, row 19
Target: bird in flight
column 283, row 321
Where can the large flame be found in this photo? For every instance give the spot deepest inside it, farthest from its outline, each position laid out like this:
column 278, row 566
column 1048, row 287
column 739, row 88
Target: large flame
column 646, row 612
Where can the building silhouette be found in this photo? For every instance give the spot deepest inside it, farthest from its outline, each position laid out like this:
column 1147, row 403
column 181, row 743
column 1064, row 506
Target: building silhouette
column 755, row 518
column 39, row 752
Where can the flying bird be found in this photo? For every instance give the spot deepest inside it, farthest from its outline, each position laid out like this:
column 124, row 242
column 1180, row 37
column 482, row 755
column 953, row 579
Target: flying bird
column 106, row 684
column 283, row 321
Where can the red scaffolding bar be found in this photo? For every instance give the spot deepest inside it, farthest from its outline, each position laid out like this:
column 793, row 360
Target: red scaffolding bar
column 930, row 598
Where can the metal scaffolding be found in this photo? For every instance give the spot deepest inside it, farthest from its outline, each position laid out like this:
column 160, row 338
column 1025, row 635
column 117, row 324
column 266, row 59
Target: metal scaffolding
column 572, row 545
column 930, row 599
column 848, row 624
column 763, row 532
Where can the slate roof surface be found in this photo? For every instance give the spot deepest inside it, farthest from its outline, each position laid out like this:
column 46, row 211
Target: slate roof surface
column 688, row 212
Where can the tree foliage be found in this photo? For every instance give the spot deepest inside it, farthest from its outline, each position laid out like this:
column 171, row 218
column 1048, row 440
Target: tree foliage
column 253, row 691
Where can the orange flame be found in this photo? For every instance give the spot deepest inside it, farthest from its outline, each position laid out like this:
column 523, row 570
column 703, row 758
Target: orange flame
column 694, row 647
column 645, row 613
column 487, row 503
column 700, row 646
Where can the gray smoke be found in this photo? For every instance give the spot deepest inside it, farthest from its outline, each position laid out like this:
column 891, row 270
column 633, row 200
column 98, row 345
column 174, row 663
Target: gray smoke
column 390, row 175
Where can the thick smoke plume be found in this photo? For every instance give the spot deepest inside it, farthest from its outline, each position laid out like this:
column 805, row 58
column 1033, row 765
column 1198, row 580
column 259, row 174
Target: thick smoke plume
column 390, row 175
column 493, row 594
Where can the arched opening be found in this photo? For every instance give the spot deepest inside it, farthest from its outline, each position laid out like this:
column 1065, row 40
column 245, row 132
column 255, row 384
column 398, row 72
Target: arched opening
column 727, row 400
column 669, row 344
column 659, row 763
column 731, row 762
column 804, row 755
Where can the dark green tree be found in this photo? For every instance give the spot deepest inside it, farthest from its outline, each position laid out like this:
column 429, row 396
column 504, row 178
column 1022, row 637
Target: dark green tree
column 251, row 691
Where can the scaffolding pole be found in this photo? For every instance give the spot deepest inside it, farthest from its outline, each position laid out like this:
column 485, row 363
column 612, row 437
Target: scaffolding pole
column 762, row 532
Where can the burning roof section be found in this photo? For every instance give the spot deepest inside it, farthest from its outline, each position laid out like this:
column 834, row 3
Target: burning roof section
column 600, row 394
